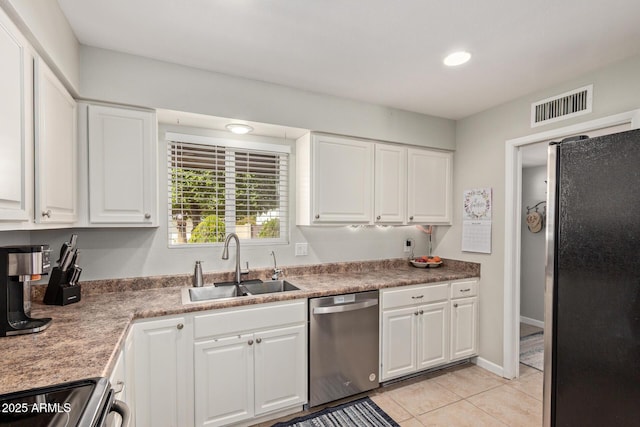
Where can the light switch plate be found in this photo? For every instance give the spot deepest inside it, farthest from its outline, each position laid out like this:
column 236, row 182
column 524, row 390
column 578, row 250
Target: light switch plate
column 302, row 249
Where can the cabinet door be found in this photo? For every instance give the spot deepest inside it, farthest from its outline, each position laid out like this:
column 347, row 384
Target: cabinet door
column 433, row 328
column 464, row 328
column 162, row 373
column 224, row 380
column 122, row 166
column 56, row 150
column 390, row 184
column 342, row 180
column 117, row 380
column 129, row 376
column 429, row 187
column 280, row 369
column 398, row 342
column 16, row 125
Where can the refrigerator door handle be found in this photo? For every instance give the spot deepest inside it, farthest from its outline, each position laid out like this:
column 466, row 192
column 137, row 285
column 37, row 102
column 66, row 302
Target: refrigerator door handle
column 552, row 165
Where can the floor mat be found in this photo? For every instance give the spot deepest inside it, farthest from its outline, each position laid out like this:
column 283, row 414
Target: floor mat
column 532, row 350
column 360, row 413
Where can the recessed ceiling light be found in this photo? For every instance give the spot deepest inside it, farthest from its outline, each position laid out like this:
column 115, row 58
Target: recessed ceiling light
column 457, row 58
column 239, row 128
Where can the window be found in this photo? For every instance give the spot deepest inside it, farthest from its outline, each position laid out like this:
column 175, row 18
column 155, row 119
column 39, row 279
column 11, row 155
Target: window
column 217, row 187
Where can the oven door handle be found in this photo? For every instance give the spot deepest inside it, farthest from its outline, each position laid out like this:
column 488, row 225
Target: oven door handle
column 345, row 307
column 122, row 409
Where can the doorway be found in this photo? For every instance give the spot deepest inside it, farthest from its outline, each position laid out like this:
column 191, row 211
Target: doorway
column 514, row 215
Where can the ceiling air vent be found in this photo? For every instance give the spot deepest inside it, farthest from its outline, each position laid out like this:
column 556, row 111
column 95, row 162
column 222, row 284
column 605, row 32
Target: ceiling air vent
column 563, row 106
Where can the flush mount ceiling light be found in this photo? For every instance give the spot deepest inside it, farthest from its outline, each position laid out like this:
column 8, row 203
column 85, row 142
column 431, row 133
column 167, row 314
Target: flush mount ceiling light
column 239, row 128
column 457, row 58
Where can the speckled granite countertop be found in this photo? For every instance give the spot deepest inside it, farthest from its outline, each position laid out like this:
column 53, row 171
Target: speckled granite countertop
column 84, row 338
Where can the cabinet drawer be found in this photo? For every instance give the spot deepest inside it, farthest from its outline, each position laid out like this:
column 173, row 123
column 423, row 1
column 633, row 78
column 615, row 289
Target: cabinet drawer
column 467, row 288
column 240, row 319
column 418, row 294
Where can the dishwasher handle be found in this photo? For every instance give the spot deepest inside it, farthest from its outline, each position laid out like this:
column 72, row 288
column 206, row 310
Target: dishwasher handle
column 346, row 307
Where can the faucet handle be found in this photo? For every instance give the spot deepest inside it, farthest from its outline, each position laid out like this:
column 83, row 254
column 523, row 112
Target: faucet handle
column 245, row 271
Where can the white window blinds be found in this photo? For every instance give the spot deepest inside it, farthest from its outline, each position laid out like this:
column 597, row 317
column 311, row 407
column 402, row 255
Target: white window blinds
column 215, row 190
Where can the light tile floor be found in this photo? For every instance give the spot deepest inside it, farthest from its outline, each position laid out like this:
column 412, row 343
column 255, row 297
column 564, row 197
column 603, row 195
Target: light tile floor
column 464, row 395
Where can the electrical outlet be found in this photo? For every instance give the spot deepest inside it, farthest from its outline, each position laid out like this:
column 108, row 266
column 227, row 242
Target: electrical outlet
column 302, row 249
column 407, row 245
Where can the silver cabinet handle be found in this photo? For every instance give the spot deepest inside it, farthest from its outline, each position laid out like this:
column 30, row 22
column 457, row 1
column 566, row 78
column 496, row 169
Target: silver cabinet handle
column 317, row 216
column 455, row 305
column 378, row 217
column 416, row 313
column 417, row 297
column 180, row 326
column 411, row 218
column 119, row 387
column 250, row 342
column 465, row 290
column 259, row 340
column 47, row 213
column 421, row 311
column 147, row 215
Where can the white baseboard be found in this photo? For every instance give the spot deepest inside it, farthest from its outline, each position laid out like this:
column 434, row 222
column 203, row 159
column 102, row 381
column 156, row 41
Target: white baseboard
column 532, row 322
column 489, row 366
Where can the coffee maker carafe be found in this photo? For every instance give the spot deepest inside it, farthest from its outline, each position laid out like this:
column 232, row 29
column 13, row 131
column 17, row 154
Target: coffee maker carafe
column 19, row 265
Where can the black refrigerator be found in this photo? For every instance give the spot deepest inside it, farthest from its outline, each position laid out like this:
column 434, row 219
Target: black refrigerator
column 592, row 293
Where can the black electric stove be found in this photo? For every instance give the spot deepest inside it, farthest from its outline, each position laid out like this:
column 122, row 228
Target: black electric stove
column 84, row 403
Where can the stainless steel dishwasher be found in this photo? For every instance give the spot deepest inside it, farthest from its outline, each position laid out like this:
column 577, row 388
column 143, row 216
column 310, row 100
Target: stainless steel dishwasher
column 343, row 346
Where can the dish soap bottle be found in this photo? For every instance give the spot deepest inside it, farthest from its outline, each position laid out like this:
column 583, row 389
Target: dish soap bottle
column 197, row 275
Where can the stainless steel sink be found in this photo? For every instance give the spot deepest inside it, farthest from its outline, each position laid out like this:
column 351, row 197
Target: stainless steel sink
column 212, row 292
column 268, row 287
column 230, row 290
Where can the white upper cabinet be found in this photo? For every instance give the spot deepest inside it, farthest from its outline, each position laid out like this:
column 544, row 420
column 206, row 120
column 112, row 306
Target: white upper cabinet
column 343, row 180
column 122, row 168
column 335, row 180
column 56, row 149
column 429, row 186
column 16, row 127
column 390, row 184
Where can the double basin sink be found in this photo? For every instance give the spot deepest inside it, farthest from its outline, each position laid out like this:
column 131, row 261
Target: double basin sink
column 231, row 290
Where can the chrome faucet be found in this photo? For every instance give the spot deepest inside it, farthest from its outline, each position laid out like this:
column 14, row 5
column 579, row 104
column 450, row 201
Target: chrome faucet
column 225, row 255
column 276, row 270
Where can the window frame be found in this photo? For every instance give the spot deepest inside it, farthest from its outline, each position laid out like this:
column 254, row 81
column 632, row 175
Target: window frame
column 229, row 145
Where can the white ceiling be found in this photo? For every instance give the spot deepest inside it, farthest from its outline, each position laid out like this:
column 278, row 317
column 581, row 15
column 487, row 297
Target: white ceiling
column 379, row 51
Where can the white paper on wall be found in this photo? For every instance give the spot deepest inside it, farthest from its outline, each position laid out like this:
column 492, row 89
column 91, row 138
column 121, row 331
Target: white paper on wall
column 476, row 220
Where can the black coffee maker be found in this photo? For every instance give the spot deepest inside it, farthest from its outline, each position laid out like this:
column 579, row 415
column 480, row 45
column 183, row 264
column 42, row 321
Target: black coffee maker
column 19, row 265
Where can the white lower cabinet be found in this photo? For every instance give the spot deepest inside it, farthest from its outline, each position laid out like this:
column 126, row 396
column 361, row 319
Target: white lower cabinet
column 280, row 369
column 224, row 384
column 419, row 330
column 164, row 372
column 253, row 363
column 464, row 319
column 122, row 381
column 117, row 380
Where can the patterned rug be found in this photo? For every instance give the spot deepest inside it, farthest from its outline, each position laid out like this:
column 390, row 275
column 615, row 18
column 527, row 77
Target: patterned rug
column 532, row 350
column 359, row 413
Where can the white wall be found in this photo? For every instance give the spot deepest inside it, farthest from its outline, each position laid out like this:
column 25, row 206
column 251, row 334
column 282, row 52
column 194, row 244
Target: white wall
column 480, row 162
column 533, row 249
column 117, row 77
column 48, row 30
column 119, row 253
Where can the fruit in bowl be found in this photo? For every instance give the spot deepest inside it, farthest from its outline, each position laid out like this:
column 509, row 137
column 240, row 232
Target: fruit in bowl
column 428, row 259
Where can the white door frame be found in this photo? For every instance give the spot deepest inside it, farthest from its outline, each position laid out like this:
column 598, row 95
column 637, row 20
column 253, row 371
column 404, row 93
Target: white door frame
column 513, row 215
